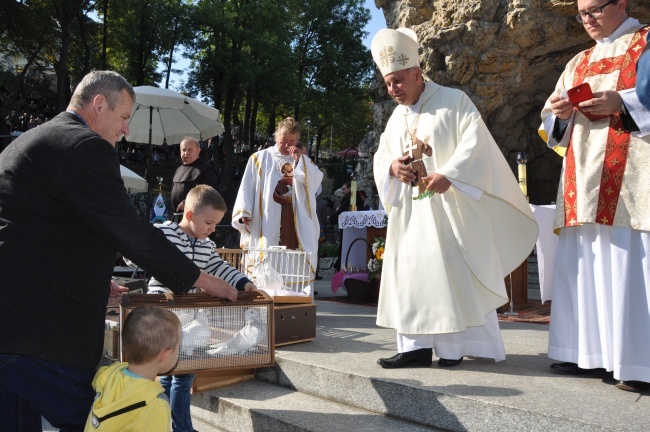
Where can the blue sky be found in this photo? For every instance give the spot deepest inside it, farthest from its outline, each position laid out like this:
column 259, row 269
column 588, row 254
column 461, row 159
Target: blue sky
column 376, row 23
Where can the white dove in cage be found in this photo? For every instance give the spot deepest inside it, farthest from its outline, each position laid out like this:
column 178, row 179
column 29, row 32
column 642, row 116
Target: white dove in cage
column 196, row 333
column 267, row 277
column 246, row 338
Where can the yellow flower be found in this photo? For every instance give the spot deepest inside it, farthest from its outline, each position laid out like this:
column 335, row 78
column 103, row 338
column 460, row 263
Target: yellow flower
column 380, row 253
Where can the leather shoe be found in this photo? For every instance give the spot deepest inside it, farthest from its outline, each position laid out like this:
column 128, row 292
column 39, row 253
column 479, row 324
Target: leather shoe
column 417, row 358
column 568, row 368
column 635, row 386
column 449, row 363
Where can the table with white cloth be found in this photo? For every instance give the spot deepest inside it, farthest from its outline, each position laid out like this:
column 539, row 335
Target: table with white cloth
column 546, row 246
column 355, row 225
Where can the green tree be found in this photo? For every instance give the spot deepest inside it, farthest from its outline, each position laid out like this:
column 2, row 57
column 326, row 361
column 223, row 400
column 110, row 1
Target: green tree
column 139, row 34
column 19, row 44
column 334, row 66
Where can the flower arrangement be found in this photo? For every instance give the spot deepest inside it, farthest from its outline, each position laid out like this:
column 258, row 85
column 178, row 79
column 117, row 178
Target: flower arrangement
column 375, row 264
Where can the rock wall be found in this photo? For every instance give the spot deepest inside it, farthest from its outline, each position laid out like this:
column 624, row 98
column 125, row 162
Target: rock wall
column 507, row 56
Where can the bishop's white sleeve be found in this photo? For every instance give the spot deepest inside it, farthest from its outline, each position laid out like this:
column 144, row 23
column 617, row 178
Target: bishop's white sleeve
column 390, row 189
column 469, row 190
column 393, row 190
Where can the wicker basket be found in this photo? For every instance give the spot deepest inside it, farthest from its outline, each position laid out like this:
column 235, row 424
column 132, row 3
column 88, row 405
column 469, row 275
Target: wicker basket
column 358, row 290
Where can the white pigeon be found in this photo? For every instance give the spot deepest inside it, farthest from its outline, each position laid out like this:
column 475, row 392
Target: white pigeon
column 196, row 333
column 267, row 277
column 246, row 338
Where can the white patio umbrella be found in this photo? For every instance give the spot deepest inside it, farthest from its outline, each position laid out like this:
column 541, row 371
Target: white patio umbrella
column 132, row 181
column 164, row 115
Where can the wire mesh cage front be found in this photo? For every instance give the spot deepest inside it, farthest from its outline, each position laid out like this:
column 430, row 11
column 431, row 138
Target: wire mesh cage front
column 285, row 274
column 217, row 334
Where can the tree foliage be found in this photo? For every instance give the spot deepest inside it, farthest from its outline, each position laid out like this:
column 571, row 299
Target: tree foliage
column 255, row 60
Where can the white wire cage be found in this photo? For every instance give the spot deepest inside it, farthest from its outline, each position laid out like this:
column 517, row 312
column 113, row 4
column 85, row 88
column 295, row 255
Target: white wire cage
column 286, row 275
column 217, row 334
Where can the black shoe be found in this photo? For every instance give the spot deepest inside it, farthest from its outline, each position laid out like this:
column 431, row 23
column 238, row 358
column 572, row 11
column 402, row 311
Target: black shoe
column 568, row 368
column 449, row 363
column 634, row 386
column 319, row 277
column 417, row 358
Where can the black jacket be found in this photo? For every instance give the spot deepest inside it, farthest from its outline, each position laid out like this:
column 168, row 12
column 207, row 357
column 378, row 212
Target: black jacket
column 64, row 214
column 187, row 176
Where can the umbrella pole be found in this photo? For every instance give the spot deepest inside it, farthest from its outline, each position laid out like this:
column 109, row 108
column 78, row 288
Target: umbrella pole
column 146, row 175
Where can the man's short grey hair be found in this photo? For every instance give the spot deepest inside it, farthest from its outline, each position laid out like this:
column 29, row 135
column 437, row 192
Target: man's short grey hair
column 107, row 83
column 189, row 138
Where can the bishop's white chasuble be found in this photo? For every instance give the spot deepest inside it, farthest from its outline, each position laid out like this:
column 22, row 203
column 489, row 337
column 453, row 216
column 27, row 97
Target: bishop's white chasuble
column 447, row 254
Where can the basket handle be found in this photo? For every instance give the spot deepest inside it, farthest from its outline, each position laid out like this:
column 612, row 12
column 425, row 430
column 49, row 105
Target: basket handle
column 347, row 255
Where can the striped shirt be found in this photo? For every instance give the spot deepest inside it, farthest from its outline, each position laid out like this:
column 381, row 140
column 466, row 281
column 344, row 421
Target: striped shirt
column 204, row 254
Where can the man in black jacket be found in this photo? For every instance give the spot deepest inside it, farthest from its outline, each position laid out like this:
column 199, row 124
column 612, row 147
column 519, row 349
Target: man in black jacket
column 64, row 214
column 195, row 170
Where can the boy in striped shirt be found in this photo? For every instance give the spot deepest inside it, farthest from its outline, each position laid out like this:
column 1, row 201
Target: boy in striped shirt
column 204, row 209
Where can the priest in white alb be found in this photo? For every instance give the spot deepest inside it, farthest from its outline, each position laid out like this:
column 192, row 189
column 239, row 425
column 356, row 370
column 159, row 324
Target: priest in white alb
column 457, row 221
column 259, row 218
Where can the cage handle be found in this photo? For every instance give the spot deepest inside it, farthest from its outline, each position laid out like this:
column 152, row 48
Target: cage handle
column 347, row 255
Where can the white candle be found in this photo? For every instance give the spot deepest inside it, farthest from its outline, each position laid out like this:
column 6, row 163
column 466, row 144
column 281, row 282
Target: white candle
column 522, row 178
column 353, row 195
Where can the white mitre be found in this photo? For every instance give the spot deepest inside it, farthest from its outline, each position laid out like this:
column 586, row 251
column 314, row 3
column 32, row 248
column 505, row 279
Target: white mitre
column 395, row 50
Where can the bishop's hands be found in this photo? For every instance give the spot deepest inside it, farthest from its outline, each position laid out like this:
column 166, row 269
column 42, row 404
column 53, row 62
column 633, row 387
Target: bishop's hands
column 216, row 287
column 401, row 170
column 437, row 183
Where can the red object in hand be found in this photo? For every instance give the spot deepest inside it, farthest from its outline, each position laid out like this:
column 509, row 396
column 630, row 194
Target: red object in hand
column 581, row 93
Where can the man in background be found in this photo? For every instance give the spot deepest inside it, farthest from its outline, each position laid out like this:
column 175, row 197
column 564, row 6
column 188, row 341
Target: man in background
column 195, row 170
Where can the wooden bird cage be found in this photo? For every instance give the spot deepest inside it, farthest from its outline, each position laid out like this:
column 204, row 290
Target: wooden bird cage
column 217, row 334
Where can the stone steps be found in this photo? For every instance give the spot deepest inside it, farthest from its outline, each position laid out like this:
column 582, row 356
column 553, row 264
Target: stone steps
column 260, row 406
column 334, row 383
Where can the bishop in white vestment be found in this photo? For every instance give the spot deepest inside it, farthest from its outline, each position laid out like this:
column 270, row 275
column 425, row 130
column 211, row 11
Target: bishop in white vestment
column 452, row 235
column 600, row 317
column 257, row 216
